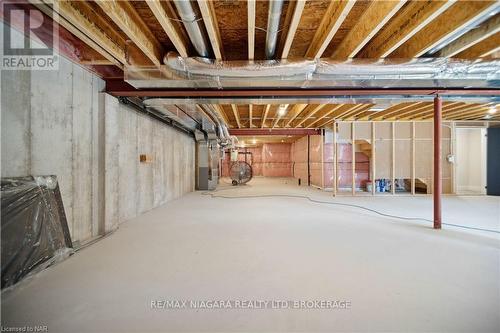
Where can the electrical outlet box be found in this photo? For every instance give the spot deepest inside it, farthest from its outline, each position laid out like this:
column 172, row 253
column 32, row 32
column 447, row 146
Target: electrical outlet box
column 143, row 158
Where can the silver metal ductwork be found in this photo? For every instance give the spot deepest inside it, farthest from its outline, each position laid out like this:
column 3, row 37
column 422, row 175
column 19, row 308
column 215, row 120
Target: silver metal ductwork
column 273, row 25
column 193, row 26
column 194, row 117
column 197, row 72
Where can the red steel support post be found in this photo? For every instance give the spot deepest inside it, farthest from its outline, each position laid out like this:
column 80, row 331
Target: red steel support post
column 437, row 162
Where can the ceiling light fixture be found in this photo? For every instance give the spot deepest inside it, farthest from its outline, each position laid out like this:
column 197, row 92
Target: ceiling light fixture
column 282, row 109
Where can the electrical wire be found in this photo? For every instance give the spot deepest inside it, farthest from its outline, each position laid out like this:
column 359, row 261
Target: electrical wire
column 214, row 195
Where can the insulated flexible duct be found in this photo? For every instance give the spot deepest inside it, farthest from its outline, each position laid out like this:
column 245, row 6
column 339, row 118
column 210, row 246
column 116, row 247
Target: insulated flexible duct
column 273, row 24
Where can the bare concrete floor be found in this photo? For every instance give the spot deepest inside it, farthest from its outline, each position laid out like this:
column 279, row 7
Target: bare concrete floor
column 398, row 275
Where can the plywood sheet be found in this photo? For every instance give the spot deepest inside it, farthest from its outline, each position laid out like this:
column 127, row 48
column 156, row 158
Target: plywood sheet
column 363, row 131
column 383, row 130
column 383, row 159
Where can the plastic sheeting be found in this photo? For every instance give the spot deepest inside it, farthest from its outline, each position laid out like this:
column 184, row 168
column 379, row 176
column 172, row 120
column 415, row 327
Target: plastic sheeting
column 35, row 233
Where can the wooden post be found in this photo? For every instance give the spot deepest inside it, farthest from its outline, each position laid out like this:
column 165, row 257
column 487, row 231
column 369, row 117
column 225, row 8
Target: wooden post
column 437, row 162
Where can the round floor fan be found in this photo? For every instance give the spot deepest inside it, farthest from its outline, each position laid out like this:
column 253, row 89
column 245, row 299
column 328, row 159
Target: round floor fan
column 240, row 172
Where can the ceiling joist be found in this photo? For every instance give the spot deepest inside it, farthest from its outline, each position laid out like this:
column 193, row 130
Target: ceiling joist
column 474, row 36
column 332, row 20
column 85, row 27
column 406, row 23
column 292, row 28
column 449, row 23
column 370, row 22
column 124, row 16
column 251, row 28
column 210, row 20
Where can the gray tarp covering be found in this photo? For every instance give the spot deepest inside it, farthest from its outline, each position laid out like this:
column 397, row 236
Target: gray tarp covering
column 34, row 229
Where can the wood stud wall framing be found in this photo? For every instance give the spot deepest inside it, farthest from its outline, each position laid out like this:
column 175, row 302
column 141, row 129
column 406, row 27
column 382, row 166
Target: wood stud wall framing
column 415, row 162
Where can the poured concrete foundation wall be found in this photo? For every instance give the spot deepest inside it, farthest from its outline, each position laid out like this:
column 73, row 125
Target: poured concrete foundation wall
column 132, row 187
column 56, row 123
column 50, row 127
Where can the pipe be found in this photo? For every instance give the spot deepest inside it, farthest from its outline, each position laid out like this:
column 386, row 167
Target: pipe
column 273, row 25
column 193, row 27
column 437, row 161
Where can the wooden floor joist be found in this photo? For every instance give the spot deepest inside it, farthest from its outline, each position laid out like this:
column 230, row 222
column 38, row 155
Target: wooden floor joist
column 406, row 23
column 445, row 25
column 314, row 108
column 481, row 49
column 292, row 114
column 236, row 114
column 210, row 20
column 125, row 17
column 251, row 28
column 474, row 36
column 372, row 20
column 82, row 25
column 292, row 27
column 264, row 115
column 328, row 110
column 163, row 15
column 332, row 20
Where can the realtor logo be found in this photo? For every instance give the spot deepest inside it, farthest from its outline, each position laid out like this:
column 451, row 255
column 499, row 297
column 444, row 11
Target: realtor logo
column 29, row 38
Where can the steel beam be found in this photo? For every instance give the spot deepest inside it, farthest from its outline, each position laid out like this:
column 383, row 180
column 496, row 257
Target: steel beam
column 122, row 88
column 274, row 131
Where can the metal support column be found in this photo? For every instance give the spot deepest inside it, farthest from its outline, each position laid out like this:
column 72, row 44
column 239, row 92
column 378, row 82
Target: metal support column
column 437, row 162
